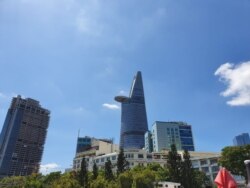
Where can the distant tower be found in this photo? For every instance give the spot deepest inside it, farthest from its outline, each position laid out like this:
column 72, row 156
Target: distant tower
column 241, row 140
column 133, row 116
column 22, row 138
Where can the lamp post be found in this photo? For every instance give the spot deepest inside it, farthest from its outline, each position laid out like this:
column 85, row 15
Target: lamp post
column 247, row 163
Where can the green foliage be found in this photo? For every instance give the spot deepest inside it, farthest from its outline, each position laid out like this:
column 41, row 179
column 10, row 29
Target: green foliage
column 200, row 179
column 138, row 168
column 232, row 158
column 125, row 180
column 95, row 171
column 181, row 171
column 50, row 178
column 160, row 172
column 13, row 182
column 67, row 180
column 122, row 164
column 101, row 182
column 187, row 172
column 144, row 179
column 174, row 164
column 108, row 171
column 138, row 177
column 83, row 174
column 34, row 181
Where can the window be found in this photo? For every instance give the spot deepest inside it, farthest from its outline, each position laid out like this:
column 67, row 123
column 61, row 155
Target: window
column 205, row 169
column 215, row 168
column 113, row 157
column 129, row 155
column 149, row 156
column 213, row 161
column 203, row 162
column 195, row 163
column 140, row 155
column 102, row 159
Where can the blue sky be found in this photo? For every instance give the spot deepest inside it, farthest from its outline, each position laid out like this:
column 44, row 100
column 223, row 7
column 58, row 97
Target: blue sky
column 75, row 56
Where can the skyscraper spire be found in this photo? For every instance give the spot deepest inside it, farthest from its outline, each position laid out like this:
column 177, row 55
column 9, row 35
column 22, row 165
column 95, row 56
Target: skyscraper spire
column 133, row 116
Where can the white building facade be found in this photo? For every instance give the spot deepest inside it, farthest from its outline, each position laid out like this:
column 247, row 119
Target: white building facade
column 203, row 161
column 164, row 134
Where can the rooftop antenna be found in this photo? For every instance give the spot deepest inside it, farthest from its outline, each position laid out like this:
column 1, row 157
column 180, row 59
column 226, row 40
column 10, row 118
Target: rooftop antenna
column 78, row 133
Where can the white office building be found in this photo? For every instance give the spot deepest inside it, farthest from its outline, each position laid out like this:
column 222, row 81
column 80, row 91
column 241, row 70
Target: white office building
column 164, row 134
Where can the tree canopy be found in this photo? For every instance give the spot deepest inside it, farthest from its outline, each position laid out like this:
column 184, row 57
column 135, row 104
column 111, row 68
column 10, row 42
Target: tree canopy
column 233, row 157
column 122, row 164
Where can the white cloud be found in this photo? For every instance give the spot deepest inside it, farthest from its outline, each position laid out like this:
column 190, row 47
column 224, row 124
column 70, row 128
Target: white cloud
column 88, row 20
column 2, row 95
column 237, row 79
column 111, row 106
column 48, row 168
column 122, row 92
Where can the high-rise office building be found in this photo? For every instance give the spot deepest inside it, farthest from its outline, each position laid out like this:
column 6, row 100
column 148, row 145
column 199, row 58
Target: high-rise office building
column 22, row 138
column 164, row 134
column 148, row 142
column 133, row 116
column 241, row 140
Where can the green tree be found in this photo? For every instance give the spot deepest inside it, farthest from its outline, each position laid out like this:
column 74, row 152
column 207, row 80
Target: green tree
column 232, row 158
column 144, row 179
column 200, row 179
column 108, row 171
column 67, row 180
column 34, row 181
column 50, row 178
column 174, row 164
column 122, row 164
column 160, row 172
column 125, row 180
column 95, row 171
column 83, row 174
column 187, row 172
column 13, row 182
column 101, row 182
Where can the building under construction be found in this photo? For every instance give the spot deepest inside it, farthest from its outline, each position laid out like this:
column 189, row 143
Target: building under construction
column 23, row 137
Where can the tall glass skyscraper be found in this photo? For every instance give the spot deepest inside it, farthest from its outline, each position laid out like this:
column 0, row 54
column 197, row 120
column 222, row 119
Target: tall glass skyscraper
column 242, row 139
column 22, row 138
column 133, row 116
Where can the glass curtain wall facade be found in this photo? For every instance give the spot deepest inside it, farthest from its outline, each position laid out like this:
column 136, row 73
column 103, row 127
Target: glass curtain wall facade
column 83, row 144
column 241, row 140
column 164, row 134
column 22, row 138
column 133, row 116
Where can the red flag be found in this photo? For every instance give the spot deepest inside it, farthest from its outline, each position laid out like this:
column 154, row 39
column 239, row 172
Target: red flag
column 225, row 180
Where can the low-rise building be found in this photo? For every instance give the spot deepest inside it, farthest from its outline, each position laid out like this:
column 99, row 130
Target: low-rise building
column 167, row 184
column 203, row 161
column 206, row 162
column 97, row 147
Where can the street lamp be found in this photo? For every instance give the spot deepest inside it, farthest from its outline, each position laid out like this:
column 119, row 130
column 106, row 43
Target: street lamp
column 247, row 163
